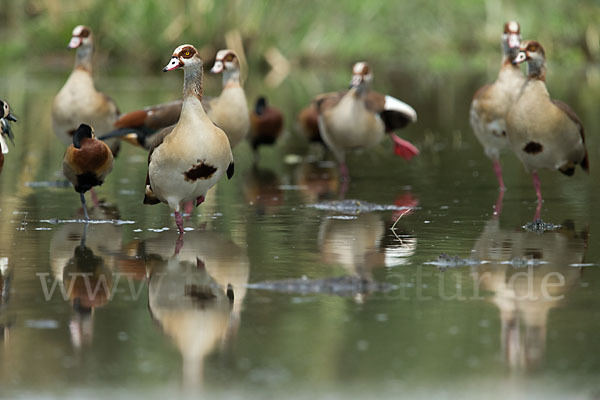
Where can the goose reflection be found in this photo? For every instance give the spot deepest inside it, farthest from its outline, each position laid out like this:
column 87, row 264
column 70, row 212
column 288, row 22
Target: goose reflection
column 196, row 293
column 262, row 189
column 525, row 296
column 83, row 260
column 317, row 181
column 5, row 281
column 361, row 243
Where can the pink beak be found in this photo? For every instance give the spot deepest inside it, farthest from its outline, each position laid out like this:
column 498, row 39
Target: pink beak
column 173, row 64
column 217, row 68
column 75, row 42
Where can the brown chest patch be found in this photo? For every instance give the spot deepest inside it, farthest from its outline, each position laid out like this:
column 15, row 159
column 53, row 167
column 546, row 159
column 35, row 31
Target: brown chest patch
column 199, row 171
column 533, row 148
column 92, row 156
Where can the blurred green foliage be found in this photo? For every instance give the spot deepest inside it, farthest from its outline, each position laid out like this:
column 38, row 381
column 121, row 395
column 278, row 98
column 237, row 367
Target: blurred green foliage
column 431, row 36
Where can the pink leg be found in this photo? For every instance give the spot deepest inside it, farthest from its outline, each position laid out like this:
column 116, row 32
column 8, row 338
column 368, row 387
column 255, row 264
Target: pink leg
column 179, row 243
column 188, row 207
column 344, row 172
column 498, row 205
column 538, row 191
column 94, row 197
column 179, row 222
column 538, row 211
column 404, row 148
column 199, row 200
column 498, row 171
column 343, row 188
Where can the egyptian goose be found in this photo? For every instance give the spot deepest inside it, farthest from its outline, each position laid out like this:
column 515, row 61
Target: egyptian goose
column 543, row 133
column 491, row 102
column 78, row 101
column 229, row 111
column 5, row 129
column 189, row 159
column 141, row 127
column 87, row 162
column 360, row 117
column 266, row 124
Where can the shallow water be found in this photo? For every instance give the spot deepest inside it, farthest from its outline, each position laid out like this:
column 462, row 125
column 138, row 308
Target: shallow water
column 518, row 319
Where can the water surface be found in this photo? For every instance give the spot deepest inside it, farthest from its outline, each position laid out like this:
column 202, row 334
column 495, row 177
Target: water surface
column 521, row 321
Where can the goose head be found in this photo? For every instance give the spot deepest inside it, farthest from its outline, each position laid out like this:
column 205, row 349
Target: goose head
column 512, row 34
column 361, row 75
column 226, row 60
column 532, row 52
column 184, row 56
column 81, row 37
column 5, row 112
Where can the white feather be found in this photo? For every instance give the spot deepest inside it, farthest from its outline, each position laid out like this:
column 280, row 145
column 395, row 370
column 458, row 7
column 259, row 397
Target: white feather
column 3, row 265
column 3, row 145
column 394, row 104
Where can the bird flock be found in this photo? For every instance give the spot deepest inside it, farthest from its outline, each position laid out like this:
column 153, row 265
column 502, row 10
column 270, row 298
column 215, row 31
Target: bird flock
column 190, row 141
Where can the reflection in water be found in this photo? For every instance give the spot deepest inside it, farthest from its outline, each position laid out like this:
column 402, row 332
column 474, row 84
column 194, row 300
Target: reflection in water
column 262, row 189
column 317, row 181
column 5, row 279
column 196, row 296
column 361, row 243
column 82, row 260
column 525, row 296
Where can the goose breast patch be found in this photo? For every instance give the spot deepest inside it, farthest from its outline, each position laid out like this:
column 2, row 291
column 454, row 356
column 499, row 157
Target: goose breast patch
column 199, row 171
column 533, row 148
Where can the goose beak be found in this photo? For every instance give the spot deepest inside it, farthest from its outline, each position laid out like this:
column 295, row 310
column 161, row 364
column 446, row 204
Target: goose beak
column 75, row 42
column 11, row 117
column 173, row 64
column 217, row 68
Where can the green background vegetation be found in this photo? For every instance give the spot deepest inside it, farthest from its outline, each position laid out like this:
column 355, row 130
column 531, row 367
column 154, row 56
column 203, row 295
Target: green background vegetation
column 431, row 36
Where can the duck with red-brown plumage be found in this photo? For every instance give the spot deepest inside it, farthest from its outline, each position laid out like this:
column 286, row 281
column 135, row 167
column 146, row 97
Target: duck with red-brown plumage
column 266, row 124
column 87, row 162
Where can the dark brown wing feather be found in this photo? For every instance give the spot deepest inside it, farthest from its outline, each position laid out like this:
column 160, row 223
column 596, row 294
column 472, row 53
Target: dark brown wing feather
column 152, row 117
column 328, row 100
column 571, row 114
column 375, row 102
column 393, row 120
column 585, row 164
column 163, row 115
column 131, row 119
